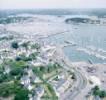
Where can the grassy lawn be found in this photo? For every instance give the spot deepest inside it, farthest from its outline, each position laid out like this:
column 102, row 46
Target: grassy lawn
column 47, row 90
column 45, row 73
column 49, row 93
column 52, row 74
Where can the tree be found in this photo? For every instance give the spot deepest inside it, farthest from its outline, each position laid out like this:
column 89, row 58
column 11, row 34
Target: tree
column 102, row 94
column 23, row 58
column 14, row 88
column 25, row 45
column 96, row 88
column 33, row 55
column 16, row 71
column 15, row 45
column 96, row 91
column 3, row 77
column 22, row 94
column 35, row 46
column 6, row 89
column 43, row 69
column 73, row 76
column 18, row 58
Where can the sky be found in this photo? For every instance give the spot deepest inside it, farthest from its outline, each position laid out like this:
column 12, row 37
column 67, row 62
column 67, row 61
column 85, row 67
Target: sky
column 34, row 4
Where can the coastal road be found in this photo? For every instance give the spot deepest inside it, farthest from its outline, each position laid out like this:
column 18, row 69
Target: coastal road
column 76, row 88
column 80, row 82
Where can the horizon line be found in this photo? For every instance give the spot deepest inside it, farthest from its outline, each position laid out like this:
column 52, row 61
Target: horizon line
column 47, row 8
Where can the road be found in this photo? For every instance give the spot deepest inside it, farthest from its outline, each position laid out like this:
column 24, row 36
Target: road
column 76, row 88
column 80, row 82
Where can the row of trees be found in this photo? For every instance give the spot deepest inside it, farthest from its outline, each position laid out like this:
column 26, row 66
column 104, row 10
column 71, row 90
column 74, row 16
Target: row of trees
column 23, row 57
column 46, row 69
column 25, row 45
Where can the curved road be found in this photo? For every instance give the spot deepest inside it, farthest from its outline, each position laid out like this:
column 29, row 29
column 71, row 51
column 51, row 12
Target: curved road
column 81, row 80
column 76, row 88
column 80, row 84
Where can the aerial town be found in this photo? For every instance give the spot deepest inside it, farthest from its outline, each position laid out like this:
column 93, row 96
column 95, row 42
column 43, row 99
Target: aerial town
column 44, row 57
column 30, row 69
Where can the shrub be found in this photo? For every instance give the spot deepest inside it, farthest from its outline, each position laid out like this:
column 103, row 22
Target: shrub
column 15, row 45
